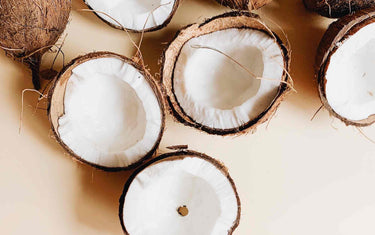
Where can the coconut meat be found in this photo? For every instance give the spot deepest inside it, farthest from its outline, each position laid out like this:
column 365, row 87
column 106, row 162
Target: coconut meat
column 350, row 76
column 221, row 88
column 134, row 14
column 112, row 117
column 188, row 196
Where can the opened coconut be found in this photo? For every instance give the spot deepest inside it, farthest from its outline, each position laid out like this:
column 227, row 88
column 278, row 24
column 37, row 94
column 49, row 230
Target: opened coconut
column 244, row 4
column 184, row 193
column 337, row 8
column 345, row 68
column 135, row 15
column 107, row 111
column 226, row 75
column 29, row 28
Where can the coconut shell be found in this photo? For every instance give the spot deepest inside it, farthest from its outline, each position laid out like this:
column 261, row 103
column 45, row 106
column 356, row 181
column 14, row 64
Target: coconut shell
column 337, row 8
column 56, row 104
column 178, row 156
column 229, row 20
column 158, row 27
column 244, row 4
column 336, row 34
column 29, row 28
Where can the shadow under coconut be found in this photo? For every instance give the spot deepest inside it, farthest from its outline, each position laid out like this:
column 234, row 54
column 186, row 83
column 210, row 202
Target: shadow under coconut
column 304, row 36
column 97, row 198
column 35, row 115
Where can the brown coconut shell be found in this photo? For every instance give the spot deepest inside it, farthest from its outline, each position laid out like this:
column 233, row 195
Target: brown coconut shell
column 158, row 27
column 56, row 104
column 337, row 8
column 29, row 28
column 234, row 19
column 244, row 4
column 178, row 156
column 336, row 34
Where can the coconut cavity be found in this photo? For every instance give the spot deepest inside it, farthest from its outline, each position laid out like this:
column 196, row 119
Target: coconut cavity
column 219, row 87
column 29, row 28
column 345, row 69
column 135, row 15
column 112, row 115
column 183, row 193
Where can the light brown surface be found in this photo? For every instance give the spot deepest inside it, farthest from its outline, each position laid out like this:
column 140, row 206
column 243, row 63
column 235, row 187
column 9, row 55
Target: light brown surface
column 298, row 177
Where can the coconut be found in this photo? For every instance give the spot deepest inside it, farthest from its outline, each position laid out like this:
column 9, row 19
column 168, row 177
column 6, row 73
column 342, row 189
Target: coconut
column 135, row 15
column 244, row 4
column 345, row 69
column 107, row 111
column 226, row 75
column 185, row 193
column 337, row 8
column 29, row 28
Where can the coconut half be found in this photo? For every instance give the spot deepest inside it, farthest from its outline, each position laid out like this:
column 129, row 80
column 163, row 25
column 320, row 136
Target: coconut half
column 345, row 68
column 337, row 8
column 184, row 193
column 226, row 75
column 135, row 15
column 244, row 4
column 107, row 111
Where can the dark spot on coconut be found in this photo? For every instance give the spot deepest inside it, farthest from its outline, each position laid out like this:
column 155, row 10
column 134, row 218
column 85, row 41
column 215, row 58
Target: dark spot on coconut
column 183, row 211
column 364, row 74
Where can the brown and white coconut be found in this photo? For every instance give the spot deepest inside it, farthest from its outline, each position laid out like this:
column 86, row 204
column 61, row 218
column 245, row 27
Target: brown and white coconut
column 29, row 28
column 337, row 8
column 244, row 4
column 107, row 111
column 345, row 68
column 226, row 75
column 135, row 15
column 185, row 193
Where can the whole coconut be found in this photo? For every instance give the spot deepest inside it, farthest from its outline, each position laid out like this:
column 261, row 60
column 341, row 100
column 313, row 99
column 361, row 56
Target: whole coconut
column 337, row 8
column 244, row 4
column 28, row 28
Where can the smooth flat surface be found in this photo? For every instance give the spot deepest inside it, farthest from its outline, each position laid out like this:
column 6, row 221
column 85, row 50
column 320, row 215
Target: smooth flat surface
column 296, row 177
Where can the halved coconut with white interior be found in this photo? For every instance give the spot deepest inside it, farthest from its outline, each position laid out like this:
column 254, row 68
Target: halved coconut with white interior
column 135, row 15
column 106, row 111
column 226, row 75
column 244, row 4
column 184, row 193
column 346, row 68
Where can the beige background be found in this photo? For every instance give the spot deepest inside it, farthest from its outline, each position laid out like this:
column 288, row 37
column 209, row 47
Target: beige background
column 296, row 177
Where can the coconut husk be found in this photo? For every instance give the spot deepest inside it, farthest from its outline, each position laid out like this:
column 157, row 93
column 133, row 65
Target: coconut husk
column 29, row 28
column 173, row 156
column 56, row 104
column 333, row 38
column 233, row 19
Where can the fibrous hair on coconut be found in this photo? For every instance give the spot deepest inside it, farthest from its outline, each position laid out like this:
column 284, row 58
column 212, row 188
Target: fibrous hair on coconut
column 135, row 15
column 107, row 111
column 345, row 69
column 29, row 28
column 337, row 8
column 244, row 4
column 195, row 195
column 227, row 75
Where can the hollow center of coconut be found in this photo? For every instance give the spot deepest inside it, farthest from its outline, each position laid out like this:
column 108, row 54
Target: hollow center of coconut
column 208, row 198
column 133, row 14
column 350, row 76
column 227, row 78
column 111, row 115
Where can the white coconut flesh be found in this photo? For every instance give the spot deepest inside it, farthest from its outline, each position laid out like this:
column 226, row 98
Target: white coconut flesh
column 350, row 76
column 221, row 88
column 189, row 196
column 134, row 14
column 112, row 117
